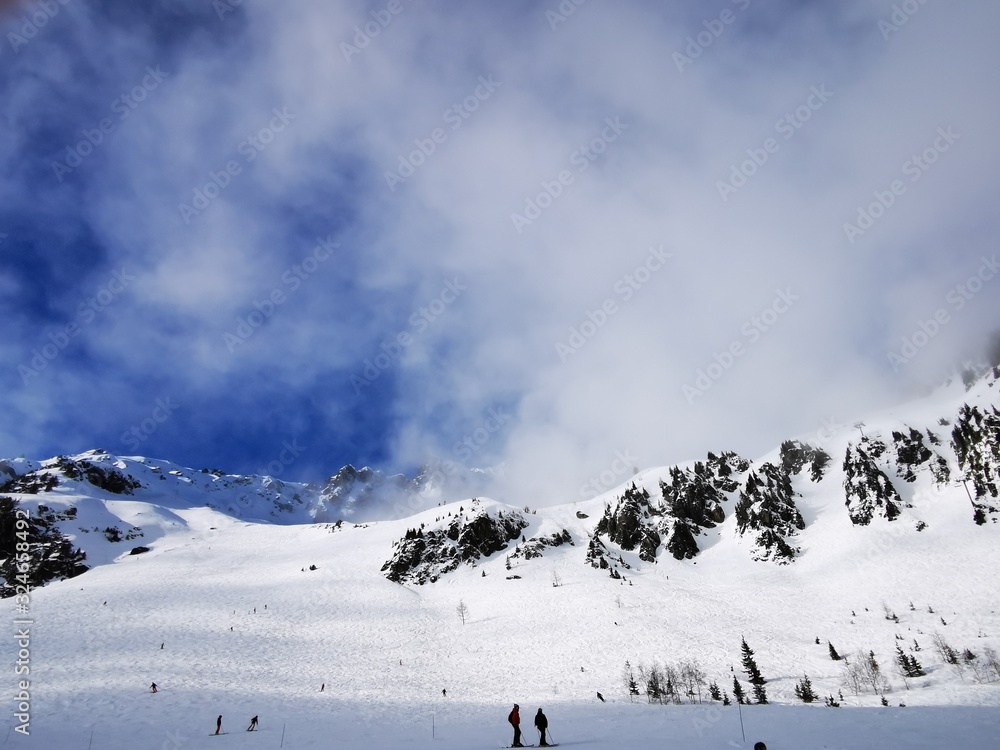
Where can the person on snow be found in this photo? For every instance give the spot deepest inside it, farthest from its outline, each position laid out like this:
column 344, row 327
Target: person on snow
column 541, row 724
column 152, row 688
column 253, row 724
column 218, row 724
column 515, row 721
column 601, row 698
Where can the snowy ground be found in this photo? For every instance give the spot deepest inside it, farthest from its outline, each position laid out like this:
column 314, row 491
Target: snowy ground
column 386, row 651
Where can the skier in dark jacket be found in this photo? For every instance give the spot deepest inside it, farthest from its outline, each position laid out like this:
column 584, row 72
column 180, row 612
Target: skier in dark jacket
column 541, row 724
column 515, row 721
column 253, row 725
column 218, row 724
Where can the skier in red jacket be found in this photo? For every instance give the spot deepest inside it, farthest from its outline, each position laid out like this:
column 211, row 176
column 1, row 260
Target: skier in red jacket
column 515, row 721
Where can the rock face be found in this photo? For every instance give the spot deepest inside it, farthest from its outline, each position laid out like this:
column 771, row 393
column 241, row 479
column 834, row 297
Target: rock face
column 913, row 454
column 81, row 469
column 32, row 550
column 976, row 441
column 690, row 503
column 795, row 455
column 868, row 490
column 423, row 555
column 351, row 491
column 766, row 511
column 536, row 546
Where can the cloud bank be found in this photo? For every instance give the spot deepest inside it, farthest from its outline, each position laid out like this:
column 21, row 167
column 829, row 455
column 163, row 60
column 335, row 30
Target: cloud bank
column 566, row 239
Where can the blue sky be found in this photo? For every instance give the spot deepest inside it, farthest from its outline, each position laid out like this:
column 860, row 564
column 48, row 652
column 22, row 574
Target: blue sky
column 389, row 233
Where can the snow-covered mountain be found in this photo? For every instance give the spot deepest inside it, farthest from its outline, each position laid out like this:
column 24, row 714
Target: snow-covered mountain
column 246, row 594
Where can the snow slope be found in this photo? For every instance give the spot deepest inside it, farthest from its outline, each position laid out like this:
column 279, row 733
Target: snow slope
column 386, row 651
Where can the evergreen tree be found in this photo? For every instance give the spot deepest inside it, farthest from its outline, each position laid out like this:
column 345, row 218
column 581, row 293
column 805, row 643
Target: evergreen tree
column 714, row 692
column 804, row 690
column 833, row 652
column 754, row 676
column 902, row 662
column 738, row 691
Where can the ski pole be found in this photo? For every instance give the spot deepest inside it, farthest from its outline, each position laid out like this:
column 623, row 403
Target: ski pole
column 739, row 705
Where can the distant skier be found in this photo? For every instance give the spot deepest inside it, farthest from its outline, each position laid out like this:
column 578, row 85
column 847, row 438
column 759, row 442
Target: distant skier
column 444, row 693
column 218, row 724
column 601, row 698
column 152, row 688
column 253, row 724
column 322, row 687
column 541, row 724
column 515, row 721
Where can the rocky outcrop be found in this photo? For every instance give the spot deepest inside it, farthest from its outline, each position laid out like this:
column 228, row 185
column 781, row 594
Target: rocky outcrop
column 423, row 555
